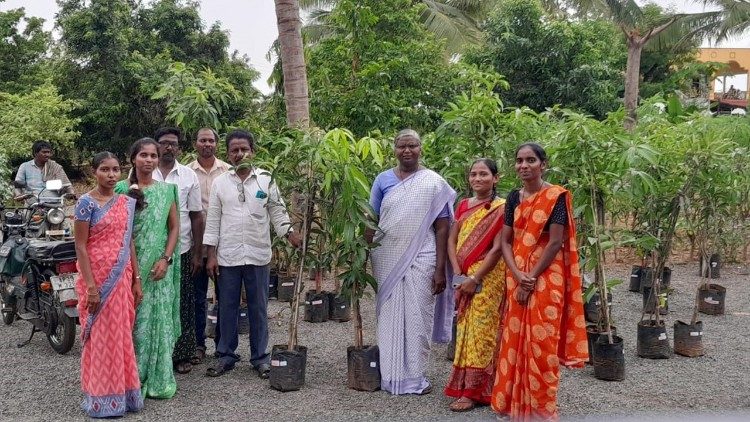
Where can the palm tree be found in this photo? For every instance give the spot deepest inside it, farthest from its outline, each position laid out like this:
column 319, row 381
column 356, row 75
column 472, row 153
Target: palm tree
column 456, row 21
column 725, row 19
column 292, row 59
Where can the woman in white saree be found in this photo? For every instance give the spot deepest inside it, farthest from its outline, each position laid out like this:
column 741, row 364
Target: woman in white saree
column 414, row 205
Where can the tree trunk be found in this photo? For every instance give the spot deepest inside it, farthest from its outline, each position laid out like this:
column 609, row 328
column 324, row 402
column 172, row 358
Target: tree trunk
column 632, row 79
column 293, row 63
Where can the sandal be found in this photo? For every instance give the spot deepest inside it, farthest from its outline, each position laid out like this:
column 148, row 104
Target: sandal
column 200, row 355
column 218, row 370
column 463, row 404
column 183, row 367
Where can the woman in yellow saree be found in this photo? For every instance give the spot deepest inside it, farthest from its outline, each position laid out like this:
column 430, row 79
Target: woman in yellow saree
column 474, row 251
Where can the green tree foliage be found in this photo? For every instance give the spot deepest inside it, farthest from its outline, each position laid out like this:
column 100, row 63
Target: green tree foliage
column 195, row 99
column 117, row 53
column 457, row 22
column 5, row 189
column 660, row 59
column 39, row 114
column 549, row 61
column 379, row 70
column 22, row 51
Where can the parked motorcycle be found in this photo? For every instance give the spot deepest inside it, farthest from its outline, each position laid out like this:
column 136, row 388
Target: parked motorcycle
column 38, row 270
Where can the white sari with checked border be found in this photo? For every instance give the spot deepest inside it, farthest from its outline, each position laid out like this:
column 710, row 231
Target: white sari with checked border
column 404, row 265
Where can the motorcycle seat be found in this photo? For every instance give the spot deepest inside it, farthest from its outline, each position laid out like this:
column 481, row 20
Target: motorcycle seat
column 51, row 249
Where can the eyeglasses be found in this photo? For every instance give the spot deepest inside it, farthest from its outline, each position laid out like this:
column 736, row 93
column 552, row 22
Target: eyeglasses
column 241, row 190
column 167, row 144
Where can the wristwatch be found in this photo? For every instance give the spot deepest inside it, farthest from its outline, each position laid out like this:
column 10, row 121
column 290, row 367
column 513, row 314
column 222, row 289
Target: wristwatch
column 167, row 258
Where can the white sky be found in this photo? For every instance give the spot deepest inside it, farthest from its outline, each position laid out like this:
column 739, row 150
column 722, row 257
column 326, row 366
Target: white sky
column 252, row 24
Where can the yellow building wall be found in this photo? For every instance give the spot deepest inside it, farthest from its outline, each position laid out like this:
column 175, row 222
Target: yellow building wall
column 738, row 60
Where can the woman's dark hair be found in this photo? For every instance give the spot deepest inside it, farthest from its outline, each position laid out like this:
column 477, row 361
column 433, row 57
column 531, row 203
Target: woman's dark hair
column 137, row 193
column 492, row 165
column 100, row 157
column 540, row 153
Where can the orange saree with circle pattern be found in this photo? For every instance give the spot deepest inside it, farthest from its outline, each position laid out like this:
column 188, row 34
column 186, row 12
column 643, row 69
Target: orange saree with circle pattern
column 550, row 329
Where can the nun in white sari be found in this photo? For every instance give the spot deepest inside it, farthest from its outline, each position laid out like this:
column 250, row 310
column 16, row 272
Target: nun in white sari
column 414, row 307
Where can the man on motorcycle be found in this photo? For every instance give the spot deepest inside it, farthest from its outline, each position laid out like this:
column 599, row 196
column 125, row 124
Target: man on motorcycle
column 33, row 174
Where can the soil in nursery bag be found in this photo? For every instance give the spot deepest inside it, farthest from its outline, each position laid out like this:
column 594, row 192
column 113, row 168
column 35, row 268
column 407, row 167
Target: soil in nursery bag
column 635, row 278
column 592, row 334
column 688, row 339
column 652, row 340
column 363, row 368
column 316, row 306
column 243, row 322
column 610, row 359
column 285, row 289
column 338, row 308
column 713, row 268
column 711, row 299
column 591, row 308
column 649, row 302
column 273, row 286
column 287, row 367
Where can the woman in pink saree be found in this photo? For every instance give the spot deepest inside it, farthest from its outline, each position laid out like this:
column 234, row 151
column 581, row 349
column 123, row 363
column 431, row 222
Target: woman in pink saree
column 108, row 290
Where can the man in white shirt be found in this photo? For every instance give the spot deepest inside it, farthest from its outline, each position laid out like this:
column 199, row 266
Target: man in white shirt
column 207, row 167
column 243, row 205
column 192, row 221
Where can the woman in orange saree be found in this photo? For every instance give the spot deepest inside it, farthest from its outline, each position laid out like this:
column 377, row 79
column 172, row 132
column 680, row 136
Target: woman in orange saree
column 474, row 251
column 544, row 324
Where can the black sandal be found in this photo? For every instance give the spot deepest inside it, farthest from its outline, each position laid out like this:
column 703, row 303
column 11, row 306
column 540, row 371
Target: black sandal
column 218, row 370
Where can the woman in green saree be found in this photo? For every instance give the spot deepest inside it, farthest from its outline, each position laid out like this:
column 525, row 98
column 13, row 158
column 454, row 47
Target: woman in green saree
column 156, row 231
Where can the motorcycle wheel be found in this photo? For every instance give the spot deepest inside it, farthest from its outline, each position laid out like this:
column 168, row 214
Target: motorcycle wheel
column 64, row 336
column 10, row 315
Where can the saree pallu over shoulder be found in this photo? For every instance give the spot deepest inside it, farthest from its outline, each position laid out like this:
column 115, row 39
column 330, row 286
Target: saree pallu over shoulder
column 474, row 242
column 106, row 226
column 478, row 316
column 550, row 329
column 409, row 316
column 109, row 373
column 157, row 322
column 406, row 216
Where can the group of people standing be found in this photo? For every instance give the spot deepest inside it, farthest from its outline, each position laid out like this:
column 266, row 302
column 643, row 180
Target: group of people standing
column 146, row 246
column 514, row 273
